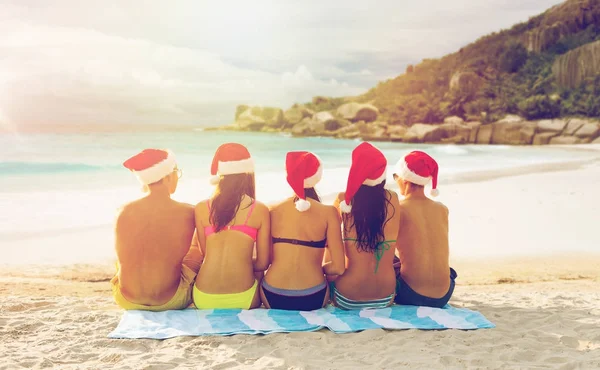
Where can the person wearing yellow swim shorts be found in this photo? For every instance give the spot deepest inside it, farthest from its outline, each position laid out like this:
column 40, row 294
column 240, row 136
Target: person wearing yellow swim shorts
column 157, row 259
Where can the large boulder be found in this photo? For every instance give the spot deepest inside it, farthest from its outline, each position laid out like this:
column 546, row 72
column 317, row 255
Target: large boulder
column 239, row 110
column 309, row 127
column 543, row 138
column 572, row 68
column 597, row 141
column 255, row 118
column 352, row 131
column 484, row 134
column 551, row 125
column 564, row 140
column 355, row 112
column 474, row 126
column 331, row 123
column 455, row 133
column 466, row 83
column 574, row 125
column 513, row 130
column 454, row 120
column 296, row 114
column 424, row 133
column 588, row 131
column 397, row 132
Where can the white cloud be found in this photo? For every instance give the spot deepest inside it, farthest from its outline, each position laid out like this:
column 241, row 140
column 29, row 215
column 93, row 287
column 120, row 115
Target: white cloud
column 193, row 60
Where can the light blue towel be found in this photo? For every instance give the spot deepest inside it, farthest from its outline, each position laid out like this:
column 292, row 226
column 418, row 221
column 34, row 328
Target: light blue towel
column 192, row 322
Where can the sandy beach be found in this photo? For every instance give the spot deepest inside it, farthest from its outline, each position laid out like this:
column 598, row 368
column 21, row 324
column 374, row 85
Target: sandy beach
column 525, row 246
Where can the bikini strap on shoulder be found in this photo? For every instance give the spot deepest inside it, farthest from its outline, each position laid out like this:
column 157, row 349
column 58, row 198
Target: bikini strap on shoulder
column 250, row 212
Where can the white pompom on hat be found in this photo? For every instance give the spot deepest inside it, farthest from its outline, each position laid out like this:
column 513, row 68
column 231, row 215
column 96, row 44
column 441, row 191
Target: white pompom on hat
column 419, row 168
column 230, row 159
column 151, row 165
column 368, row 168
column 304, row 170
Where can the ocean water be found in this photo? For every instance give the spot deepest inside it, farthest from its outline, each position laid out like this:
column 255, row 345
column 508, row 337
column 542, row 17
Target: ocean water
column 53, row 184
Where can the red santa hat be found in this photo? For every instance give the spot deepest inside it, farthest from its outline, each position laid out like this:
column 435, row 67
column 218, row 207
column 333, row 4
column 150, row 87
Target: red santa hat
column 230, row 159
column 419, row 168
column 304, row 170
column 151, row 165
column 368, row 168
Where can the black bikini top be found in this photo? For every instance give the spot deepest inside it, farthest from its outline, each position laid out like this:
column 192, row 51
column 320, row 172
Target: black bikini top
column 312, row 244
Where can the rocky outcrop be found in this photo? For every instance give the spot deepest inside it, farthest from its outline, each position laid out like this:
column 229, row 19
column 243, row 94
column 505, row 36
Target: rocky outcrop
column 256, row 118
column 296, row 114
column 355, row 112
column 597, row 141
column 474, row 126
column 513, row 130
column 309, row 127
column 466, row 83
column 551, row 125
column 588, row 131
column 484, row 134
column 541, row 38
column 564, row 140
column 543, row 138
column 572, row 68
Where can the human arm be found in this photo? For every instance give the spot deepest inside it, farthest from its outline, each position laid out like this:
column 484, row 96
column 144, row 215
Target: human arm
column 263, row 240
column 334, row 254
column 194, row 257
column 200, row 238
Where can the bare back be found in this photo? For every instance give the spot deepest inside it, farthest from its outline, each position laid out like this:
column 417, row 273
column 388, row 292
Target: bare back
column 423, row 246
column 299, row 266
column 153, row 235
column 228, row 255
column 360, row 281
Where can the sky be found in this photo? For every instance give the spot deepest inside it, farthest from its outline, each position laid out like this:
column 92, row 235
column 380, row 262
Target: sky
column 86, row 62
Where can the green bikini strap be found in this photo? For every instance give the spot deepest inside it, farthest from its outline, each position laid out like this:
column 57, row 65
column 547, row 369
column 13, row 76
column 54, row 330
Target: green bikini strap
column 381, row 248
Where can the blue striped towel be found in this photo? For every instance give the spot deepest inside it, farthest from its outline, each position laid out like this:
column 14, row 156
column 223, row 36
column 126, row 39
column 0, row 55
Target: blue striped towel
column 192, row 322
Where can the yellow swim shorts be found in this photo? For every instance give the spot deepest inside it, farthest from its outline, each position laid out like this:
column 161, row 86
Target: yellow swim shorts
column 181, row 299
column 241, row 300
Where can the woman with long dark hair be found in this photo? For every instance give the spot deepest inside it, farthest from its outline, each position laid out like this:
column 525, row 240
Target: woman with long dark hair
column 370, row 224
column 229, row 225
column 302, row 229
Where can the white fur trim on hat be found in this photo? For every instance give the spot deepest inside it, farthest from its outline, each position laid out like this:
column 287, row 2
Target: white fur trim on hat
column 345, row 207
column 406, row 174
column 302, row 205
column 434, row 192
column 158, row 171
column 312, row 181
column 236, row 167
column 377, row 181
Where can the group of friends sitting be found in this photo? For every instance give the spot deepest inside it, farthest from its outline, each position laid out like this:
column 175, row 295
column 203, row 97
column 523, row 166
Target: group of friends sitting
column 367, row 250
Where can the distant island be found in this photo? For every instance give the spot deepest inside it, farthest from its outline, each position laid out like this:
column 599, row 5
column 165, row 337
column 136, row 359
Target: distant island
column 536, row 83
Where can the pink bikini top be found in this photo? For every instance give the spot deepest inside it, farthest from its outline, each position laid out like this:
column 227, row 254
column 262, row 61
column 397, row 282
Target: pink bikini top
column 248, row 230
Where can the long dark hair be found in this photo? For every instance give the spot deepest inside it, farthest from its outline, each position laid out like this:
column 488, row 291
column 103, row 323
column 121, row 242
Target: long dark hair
column 228, row 196
column 310, row 193
column 369, row 216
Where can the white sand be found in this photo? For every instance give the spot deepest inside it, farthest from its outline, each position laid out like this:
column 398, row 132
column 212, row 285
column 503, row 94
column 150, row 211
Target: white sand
column 527, row 250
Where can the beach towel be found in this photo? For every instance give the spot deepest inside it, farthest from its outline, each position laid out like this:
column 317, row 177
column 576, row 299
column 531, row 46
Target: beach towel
column 192, row 322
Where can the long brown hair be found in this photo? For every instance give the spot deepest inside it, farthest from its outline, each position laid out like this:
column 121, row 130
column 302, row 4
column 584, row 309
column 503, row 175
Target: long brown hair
column 228, row 196
column 369, row 216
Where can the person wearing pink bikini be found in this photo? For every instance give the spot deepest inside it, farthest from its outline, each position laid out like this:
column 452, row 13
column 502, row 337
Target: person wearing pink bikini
column 232, row 227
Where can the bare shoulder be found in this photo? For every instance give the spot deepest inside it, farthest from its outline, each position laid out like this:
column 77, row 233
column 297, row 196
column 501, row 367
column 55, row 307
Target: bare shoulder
column 185, row 206
column 274, row 207
column 261, row 208
column 393, row 196
column 443, row 207
column 341, row 196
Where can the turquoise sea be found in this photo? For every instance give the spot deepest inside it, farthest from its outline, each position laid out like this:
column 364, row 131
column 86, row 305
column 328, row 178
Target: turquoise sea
column 52, row 184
